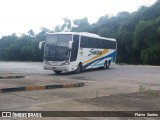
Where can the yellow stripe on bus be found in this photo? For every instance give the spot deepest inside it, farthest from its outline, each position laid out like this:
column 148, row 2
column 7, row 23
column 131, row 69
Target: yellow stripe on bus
column 103, row 52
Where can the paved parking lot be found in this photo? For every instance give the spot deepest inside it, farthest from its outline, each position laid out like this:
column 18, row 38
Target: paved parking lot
column 119, row 79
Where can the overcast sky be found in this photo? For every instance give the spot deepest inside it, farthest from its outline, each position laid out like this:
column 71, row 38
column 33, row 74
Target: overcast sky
column 19, row 16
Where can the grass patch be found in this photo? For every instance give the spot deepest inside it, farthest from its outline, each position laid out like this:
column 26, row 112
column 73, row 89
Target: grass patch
column 148, row 91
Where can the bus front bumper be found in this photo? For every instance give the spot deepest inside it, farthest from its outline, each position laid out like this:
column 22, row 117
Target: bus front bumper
column 66, row 68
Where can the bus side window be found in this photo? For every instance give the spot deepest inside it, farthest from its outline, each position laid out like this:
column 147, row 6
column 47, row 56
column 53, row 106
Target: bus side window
column 103, row 44
column 97, row 43
column 90, row 42
column 84, row 42
column 111, row 45
column 107, row 44
column 75, row 47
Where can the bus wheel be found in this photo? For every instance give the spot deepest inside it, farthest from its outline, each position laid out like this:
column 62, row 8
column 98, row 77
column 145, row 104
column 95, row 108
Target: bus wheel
column 79, row 68
column 106, row 65
column 57, row 72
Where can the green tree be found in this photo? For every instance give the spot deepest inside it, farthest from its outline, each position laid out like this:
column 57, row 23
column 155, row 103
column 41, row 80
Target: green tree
column 31, row 33
column 137, row 35
column 66, row 27
column 81, row 25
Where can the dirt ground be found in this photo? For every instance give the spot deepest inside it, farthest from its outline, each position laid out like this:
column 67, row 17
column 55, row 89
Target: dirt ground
column 139, row 101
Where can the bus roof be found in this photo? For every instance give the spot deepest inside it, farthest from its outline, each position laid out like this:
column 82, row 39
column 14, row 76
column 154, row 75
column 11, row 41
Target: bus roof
column 87, row 34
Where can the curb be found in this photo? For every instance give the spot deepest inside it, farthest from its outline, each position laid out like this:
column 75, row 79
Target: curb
column 40, row 87
column 5, row 77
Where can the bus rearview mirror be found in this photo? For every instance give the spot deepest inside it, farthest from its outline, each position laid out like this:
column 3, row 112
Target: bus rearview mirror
column 41, row 44
column 70, row 44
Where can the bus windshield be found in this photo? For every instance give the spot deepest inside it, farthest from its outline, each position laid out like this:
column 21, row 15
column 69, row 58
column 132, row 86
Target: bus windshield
column 56, row 47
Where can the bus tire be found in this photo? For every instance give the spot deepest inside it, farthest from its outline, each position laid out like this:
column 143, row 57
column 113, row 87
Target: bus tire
column 106, row 65
column 109, row 63
column 57, row 72
column 79, row 68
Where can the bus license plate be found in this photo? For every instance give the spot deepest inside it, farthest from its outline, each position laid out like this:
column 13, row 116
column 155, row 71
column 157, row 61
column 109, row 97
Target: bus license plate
column 54, row 68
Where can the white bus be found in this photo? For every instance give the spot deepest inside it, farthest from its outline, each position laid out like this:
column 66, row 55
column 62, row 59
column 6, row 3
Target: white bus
column 77, row 51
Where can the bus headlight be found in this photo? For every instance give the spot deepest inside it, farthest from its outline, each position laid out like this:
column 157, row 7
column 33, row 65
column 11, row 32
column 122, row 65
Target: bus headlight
column 46, row 62
column 65, row 63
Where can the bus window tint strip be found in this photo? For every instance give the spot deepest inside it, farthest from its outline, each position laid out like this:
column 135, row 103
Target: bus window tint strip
column 89, row 42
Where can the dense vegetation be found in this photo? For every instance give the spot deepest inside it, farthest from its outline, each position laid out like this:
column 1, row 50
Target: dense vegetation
column 137, row 35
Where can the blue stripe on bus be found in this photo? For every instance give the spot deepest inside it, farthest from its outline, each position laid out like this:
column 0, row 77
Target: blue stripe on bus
column 100, row 59
column 98, row 65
